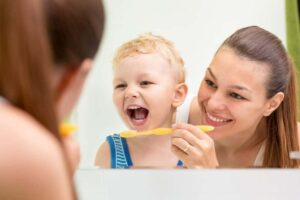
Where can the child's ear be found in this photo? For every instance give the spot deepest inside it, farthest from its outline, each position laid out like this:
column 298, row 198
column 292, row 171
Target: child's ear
column 273, row 103
column 181, row 90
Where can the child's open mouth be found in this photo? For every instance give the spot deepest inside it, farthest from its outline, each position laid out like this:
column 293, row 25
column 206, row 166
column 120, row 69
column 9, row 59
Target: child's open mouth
column 138, row 115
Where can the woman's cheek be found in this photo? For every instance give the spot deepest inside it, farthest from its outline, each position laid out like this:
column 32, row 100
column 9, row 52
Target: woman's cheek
column 203, row 93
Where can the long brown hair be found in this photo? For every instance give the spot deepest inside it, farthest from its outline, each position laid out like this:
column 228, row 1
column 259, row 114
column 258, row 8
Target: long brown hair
column 260, row 45
column 31, row 32
column 75, row 28
column 25, row 61
column 36, row 36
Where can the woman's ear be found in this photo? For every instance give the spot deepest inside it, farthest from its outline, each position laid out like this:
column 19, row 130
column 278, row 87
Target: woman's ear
column 69, row 87
column 181, row 90
column 273, row 103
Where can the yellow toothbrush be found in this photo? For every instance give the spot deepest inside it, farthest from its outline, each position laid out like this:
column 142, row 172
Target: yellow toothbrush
column 159, row 131
column 67, row 129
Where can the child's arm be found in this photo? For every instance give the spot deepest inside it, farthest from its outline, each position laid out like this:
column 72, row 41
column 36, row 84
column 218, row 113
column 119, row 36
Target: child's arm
column 103, row 156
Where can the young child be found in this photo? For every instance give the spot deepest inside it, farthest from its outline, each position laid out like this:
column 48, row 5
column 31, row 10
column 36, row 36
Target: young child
column 149, row 84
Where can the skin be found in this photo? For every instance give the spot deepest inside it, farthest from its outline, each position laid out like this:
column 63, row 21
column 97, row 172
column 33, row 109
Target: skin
column 138, row 81
column 72, row 81
column 148, row 81
column 38, row 169
column 231, row 91
column 28, row 169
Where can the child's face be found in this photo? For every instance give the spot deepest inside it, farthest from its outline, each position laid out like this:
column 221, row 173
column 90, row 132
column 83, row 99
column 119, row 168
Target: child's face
column 144, row 88
column 233, row 95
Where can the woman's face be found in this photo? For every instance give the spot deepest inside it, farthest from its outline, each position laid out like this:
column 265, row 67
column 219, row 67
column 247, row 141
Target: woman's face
column 232, row 95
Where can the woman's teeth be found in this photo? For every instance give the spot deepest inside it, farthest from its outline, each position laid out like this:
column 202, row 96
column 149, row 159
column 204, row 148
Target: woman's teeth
column 215, row 119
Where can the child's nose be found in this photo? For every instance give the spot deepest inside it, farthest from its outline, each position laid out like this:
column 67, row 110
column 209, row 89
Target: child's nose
column 131, row 92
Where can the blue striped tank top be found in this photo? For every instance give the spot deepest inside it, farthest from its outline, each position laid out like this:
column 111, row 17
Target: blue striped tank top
column 119, row 152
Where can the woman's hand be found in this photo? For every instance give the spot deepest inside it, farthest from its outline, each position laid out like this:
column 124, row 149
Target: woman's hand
column 73, row 151
column 193, row 147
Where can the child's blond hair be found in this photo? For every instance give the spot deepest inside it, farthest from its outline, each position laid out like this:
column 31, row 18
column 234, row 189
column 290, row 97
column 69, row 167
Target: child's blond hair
column 149, row 43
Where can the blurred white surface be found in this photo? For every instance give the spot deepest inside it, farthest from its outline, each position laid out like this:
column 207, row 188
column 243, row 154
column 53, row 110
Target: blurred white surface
column 247, row 184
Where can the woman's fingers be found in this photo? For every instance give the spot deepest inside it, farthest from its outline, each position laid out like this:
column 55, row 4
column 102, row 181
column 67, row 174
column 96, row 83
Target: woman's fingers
column 180, row 154
column 192, row 146
column 183, row 146
column 73, row 152
column 186, row 136
column 193, row 136
column 193, row 129
column 191, row 158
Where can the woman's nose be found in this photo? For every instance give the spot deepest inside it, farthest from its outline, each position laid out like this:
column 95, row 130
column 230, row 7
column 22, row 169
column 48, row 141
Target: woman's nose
column 217, row 101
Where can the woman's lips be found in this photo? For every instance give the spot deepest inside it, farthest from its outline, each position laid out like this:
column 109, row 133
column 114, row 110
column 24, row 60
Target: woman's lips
column 216, row 121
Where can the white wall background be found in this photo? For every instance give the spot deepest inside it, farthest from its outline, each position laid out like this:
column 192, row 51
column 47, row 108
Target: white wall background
column 197, row 27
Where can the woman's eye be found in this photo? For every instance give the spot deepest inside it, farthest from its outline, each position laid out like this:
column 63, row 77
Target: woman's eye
column 120, row 86
column 211, row 84
column 237, row 96
column 145, row 83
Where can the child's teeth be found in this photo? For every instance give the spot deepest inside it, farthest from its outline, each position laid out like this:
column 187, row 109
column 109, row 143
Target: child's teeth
column 133, row 107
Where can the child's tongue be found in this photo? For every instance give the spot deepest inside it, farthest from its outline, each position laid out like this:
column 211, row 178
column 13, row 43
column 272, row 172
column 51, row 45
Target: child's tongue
column 139, row 116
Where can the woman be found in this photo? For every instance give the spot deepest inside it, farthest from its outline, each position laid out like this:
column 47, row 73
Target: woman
column 249, row 95
column 45, row 55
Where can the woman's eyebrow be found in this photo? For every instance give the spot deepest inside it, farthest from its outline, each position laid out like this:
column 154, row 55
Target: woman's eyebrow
column 238, row 87
column 211, row 73
column 232, row 86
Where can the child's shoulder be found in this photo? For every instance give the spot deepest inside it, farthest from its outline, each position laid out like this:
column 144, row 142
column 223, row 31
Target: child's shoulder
column 103, row 156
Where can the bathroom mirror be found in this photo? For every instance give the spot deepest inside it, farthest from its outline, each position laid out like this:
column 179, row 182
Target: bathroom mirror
column 197, row 27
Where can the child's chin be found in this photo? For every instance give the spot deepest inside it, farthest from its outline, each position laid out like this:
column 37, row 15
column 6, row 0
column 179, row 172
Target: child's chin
column 138, row 125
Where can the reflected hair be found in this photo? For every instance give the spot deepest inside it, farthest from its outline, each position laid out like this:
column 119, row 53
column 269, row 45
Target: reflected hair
column 148, row 43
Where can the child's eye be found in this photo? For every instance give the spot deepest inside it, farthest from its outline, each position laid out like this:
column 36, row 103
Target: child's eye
column 237, row 96
column 120, row 86
column 145, row 83
column 210, row 83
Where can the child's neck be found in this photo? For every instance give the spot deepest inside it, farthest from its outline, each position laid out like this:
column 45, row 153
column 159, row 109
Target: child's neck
column 152, row 151
column 151, row 140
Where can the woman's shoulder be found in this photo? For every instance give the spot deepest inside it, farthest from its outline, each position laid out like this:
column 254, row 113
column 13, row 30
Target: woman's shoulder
column 16, row 124
column 31, row 160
